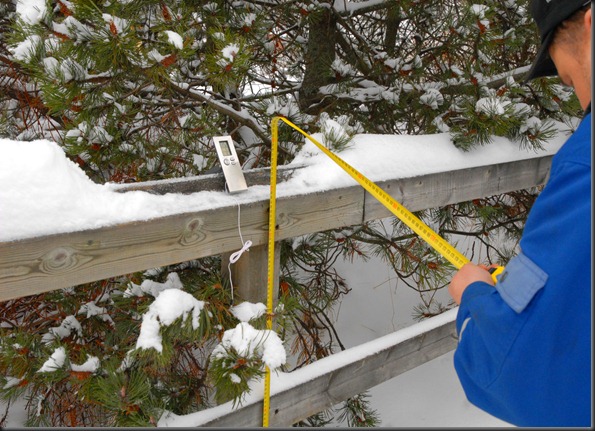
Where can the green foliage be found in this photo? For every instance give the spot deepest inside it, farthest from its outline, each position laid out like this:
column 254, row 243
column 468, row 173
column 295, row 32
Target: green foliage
column 357, row 413
column 228, row 61
column 128, row 398
column 231, row 372
column 134, row 91
column 129, row 387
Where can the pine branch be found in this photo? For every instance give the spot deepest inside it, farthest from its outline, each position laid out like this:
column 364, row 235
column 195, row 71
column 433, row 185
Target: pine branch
column 224, row 109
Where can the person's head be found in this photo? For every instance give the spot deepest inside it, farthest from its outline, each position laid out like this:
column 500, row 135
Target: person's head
column 565, row 29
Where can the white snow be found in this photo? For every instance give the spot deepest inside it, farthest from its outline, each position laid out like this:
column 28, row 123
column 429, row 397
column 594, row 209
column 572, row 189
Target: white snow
column 91, row 309
column 479, row 10
column 26, row 48
column 120, row 25
column 37, row 179
column 155, row 56
column 31, row 11
column 90, row 366
column 170, row 304
column 247, row 311
column 175, row 39
column 491, row 106
column 11, row 382
column 55, row 362
column 154, row 288
column 58, row 358
column 249, row 19
column 52, row 66
column 248, row 341
column 432, row 98
column 230, row 51
column 68, row 325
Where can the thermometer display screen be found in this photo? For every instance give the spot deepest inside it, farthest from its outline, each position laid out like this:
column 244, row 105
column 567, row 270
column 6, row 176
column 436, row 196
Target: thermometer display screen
column 225, row 149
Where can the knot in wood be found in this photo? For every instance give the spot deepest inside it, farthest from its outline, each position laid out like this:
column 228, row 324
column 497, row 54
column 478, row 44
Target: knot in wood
column 59, row 259
column 192, row 233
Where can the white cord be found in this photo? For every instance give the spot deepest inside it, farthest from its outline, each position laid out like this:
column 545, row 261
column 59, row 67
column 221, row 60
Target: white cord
column 236, row 256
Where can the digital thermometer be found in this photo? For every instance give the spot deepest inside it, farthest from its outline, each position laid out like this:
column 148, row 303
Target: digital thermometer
column 230, row 163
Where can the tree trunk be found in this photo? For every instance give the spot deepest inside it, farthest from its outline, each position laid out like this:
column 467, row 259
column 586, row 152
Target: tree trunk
column 318, row 59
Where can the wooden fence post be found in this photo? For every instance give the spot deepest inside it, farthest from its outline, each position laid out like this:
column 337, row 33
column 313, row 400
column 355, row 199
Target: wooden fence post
column 249, row 274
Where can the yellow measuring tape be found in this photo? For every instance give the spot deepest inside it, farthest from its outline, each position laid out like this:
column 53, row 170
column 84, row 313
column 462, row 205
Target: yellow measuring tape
column 419, row 227
column 271, row 263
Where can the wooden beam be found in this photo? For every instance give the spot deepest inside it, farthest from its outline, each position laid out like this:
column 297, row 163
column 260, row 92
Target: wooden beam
column 213, row 182
column 249, row 274
column 355, row 374
column 436, row 190
column 40, row 264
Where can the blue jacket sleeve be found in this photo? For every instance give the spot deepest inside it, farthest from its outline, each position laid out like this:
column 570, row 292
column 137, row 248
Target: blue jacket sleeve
column 524, row 352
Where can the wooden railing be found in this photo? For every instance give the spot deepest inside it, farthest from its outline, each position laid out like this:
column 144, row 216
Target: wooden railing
column 40, row 264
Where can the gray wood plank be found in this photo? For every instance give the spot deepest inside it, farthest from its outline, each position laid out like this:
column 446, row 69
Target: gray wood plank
column 52, row 262
column 41, row 264
column 450, row 187
column 313, row 395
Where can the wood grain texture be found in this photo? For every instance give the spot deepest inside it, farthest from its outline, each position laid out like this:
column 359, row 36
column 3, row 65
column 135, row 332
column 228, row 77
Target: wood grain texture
column 450, row 187
column 52, row 262
column 313, row 395
column 41, row 264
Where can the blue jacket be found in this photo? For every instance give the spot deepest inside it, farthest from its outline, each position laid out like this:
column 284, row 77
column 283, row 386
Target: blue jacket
column 524, row 352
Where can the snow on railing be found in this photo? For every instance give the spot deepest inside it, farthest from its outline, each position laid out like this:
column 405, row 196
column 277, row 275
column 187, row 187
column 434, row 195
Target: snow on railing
column 197, row 219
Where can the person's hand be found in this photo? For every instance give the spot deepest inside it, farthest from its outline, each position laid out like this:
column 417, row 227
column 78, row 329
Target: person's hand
column 468, row 274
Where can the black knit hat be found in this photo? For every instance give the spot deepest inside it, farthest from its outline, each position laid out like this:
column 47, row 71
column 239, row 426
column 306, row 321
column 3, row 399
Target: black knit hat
column 548, row 14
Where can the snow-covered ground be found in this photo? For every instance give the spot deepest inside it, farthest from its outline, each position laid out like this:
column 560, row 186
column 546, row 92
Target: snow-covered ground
column 427, row 396
column 42, row 192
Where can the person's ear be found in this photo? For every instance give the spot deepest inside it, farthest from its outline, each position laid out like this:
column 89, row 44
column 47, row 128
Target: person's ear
column 587, row 22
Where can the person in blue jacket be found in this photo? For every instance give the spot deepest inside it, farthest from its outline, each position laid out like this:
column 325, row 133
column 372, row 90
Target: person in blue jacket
column 524, row 350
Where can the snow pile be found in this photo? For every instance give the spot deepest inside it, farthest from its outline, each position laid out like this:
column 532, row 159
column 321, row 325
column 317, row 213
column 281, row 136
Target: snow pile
column 154, row 288
column 170, row 305
column 11, row 382
column 230, row 52
column 37, row 179
column 58, row 358
column 66, row 328
column 382, row 157
column 249, row 342
column 90, row 366
column 175, row 39
column 55, row 362
column 31, row 11
column 26, row 48
column 91, row 309
column 247, row 311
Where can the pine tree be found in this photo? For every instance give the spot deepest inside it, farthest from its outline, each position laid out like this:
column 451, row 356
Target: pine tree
column 133, row 91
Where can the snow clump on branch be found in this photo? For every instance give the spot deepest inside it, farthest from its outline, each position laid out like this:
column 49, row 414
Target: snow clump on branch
column 170, row 305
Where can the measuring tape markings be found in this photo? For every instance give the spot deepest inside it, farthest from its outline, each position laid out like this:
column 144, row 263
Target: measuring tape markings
column 271, row 263
column 418, row 226
column 414, row 223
